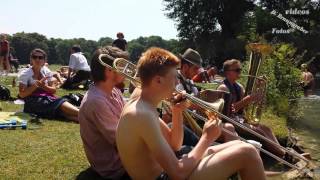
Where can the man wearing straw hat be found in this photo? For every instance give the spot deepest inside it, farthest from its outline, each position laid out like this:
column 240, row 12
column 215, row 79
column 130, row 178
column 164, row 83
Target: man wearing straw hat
column 191, row 63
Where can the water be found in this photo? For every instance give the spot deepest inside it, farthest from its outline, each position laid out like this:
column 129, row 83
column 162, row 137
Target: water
column 305, row 123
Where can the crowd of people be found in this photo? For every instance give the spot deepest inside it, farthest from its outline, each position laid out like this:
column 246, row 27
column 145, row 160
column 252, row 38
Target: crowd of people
column 131, row 139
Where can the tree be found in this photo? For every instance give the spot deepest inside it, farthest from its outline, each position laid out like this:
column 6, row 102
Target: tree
column 219, row 30
column 53, row 57
column 139, row 45
column 104, row 41
column 135, row 49
column 24, row 43
column 58, row 49
column 306, row 44
column 210, row 26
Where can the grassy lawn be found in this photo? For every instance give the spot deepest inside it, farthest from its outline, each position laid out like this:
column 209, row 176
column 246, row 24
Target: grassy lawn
column 54, row 149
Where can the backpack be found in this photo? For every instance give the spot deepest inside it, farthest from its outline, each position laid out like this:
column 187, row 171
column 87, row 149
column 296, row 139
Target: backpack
column 74, row 99
column 4, row 93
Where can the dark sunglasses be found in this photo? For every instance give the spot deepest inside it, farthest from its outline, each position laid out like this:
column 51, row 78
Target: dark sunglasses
column 37, row 57
column 238, row 70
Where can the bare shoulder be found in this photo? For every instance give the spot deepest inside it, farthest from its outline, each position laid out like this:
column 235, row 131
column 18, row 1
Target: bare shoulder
column 138, row 112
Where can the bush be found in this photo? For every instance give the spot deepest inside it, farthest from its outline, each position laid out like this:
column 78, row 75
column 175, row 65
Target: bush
column 283, row 78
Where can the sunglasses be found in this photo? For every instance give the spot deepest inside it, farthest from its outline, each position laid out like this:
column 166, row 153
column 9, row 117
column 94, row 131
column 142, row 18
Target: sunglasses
column 238, row 70
column 37, row 57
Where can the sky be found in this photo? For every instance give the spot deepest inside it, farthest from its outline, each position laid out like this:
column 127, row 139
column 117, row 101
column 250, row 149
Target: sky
column 90, row 19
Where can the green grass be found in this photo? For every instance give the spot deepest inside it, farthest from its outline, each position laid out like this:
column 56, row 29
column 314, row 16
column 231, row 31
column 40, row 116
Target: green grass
column 53, row 150
column 276, row 123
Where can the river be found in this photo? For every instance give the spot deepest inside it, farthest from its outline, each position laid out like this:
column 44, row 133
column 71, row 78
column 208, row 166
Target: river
column 306, row 126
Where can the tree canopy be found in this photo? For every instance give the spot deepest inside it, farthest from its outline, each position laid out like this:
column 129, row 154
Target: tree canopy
column 58, row 50
column 220, row 29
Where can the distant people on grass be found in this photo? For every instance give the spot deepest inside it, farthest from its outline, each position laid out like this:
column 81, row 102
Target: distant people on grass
column 79, row 70
column 307, row 82
column 120, row 42
column 57, row 79
column 13, row 60
column 206, row 75
column 37, row 90
column 4, row 54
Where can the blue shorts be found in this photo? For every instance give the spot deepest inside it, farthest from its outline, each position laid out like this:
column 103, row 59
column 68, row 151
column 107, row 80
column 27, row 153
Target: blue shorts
column 44, row 106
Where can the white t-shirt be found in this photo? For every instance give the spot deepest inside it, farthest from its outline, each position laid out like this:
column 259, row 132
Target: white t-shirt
column 26, row 76
column 78, row 62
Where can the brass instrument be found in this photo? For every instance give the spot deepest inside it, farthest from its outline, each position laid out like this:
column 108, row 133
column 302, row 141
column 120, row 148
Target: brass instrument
column 189, row 118
column 129, row 70
column 256, row 84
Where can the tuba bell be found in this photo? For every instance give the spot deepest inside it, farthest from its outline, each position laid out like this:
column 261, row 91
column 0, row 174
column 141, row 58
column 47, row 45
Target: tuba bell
column 256, row 84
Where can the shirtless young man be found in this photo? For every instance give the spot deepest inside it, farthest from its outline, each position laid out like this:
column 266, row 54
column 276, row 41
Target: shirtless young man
column 307, row 80
column 146, row 145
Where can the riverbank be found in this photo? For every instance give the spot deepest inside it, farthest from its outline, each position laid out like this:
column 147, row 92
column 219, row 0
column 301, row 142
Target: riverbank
column 54, row 149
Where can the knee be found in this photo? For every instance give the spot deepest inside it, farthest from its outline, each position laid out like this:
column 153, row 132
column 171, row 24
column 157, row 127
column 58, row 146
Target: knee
column 238, row 142
column 229, row 127
column 249, row 151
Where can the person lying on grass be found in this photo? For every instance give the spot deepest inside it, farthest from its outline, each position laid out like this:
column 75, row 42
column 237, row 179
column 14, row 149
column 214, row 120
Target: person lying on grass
column 37, row 90
column 146, row 146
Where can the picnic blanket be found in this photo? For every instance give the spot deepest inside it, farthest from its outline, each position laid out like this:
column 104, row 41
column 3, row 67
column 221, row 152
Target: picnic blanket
column 6, row 117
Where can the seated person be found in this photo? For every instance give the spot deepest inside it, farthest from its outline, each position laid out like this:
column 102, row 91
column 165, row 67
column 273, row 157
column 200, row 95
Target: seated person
column 190, row 64
column 232, row 71
column 64, row 70
column 56, row 79
column 146, row 147
column 37, row 90
column 79, row 70
column 206, row 76
column 99, row 116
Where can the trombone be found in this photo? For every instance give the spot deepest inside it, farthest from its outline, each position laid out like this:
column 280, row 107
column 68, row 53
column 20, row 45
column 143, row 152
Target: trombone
column 129, row 70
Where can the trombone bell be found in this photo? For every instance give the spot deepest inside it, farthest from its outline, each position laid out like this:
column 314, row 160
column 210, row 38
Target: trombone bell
column 218, row 105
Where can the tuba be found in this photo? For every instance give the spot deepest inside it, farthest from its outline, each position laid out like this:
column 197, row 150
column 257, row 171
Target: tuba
column 256, row 84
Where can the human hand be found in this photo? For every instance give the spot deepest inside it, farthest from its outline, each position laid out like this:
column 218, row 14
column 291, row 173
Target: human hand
column 212, row 128
column 233, row 109
column 179, row 102
column 41, row 83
